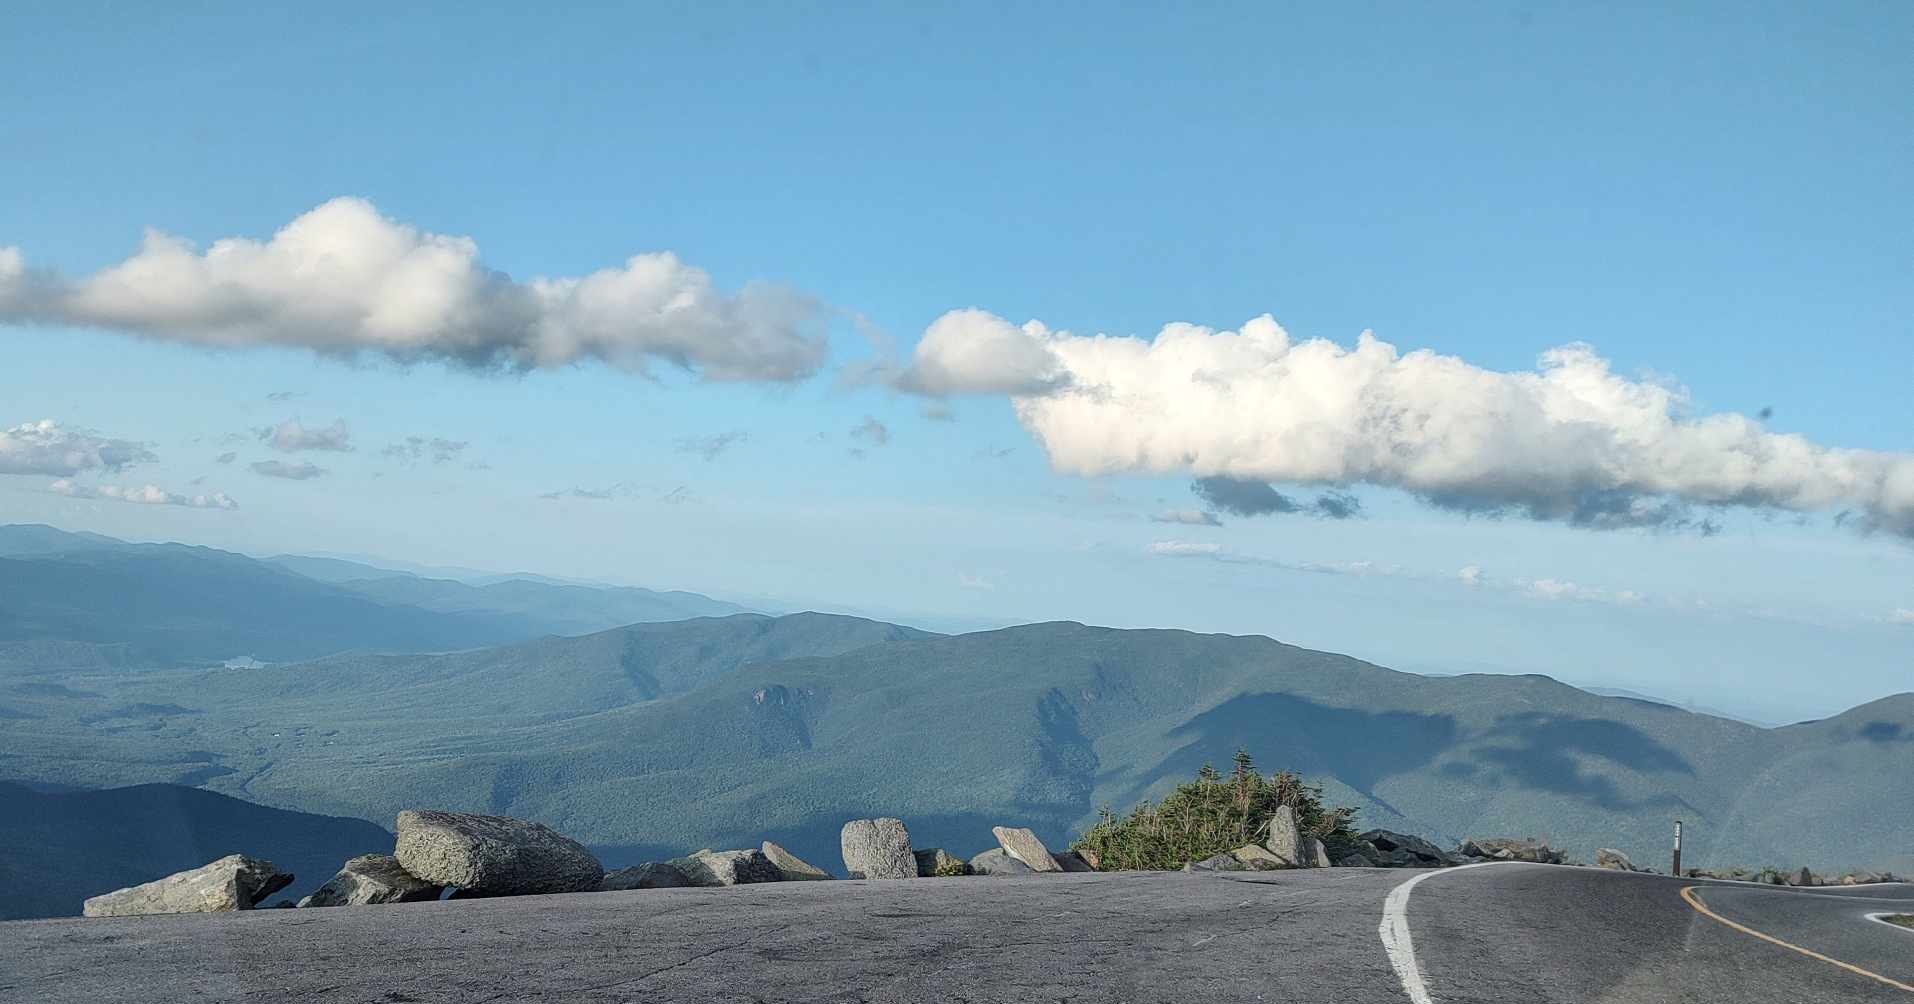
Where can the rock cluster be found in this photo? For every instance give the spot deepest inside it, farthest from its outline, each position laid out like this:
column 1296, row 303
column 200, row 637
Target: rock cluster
column 1511, row 849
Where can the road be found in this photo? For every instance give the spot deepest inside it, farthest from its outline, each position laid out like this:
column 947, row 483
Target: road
column 1513, row 933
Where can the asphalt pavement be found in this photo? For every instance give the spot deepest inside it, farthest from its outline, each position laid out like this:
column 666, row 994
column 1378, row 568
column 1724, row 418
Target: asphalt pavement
column 1500, row 933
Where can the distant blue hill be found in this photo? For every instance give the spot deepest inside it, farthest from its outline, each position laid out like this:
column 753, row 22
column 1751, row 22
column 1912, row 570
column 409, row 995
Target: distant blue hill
column 64, row 847
column 167, row 604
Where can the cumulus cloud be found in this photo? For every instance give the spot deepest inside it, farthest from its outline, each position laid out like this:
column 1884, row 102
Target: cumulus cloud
column 420, row 449
column 47, row 447
column 301, row 471
column 344, row 280
column 1904, row 615
column 710, row 447
column 145, row 495
column 975, row 352
column 1187, row 517
column 1470, row 575
column 291, row 437
column 1570, row 441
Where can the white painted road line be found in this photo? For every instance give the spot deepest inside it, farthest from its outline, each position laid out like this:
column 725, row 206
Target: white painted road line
column 1395, row 933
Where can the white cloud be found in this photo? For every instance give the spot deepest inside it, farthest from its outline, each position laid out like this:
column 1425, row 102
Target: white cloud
column 1185, row 549
column 1471, row 575
column 1570, row 441
column 1218, row 553
column 145, row 495
column 1187, row 517
column 344, row 280
column 976, row 352
column 301, row 471
column 292, row 437
column 966, row 580
column 1904, row 615
column 47, row 447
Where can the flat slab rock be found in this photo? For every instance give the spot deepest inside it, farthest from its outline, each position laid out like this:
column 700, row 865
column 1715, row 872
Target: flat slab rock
column 650, row 875
column 998, row 861
column 234, row 882
column 493, row 855
column 877, row 849
column 1022, row 844
column 792, row 868
column 722, row 868
column 372, row 879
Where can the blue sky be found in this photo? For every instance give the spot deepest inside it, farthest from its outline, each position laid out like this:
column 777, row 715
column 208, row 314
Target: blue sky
column 1718, row 198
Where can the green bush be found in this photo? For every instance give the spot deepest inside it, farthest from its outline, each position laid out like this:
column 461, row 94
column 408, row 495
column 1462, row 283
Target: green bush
column 953, row 868
column 1210, row 815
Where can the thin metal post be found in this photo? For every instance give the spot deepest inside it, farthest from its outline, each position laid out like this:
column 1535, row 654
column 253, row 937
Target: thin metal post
column 1677, row 872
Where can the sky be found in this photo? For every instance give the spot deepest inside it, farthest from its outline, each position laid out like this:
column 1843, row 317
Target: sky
column 1506, row 338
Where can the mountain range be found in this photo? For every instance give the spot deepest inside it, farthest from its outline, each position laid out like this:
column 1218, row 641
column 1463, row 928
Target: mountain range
column 655, row 738
column 167, row 604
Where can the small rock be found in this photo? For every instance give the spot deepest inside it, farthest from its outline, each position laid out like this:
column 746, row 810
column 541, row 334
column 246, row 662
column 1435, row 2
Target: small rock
column 1354, row 861
column 998, row 861
column 234, row 882
column 1217, row 863
column 371, row 879
column 1285, row 838
column 1023, row 845
column 877, row 849
column 1315, row 854
column 792, row 868
column 722, row 868
column 1256, row 857
column 1417, row 850
column 935, row 862
column 493, row 855
column 1073, row 861
column 1804, row 878
column 650, row 875
column 1091, row 858
column 1609, row 857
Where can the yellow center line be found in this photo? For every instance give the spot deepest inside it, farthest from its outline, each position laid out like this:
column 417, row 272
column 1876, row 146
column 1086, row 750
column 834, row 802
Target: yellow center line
column 1693, row 900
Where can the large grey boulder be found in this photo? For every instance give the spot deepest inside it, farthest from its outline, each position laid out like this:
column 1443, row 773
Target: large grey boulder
column 1023, row 845
column 935, row 862
column 650, row 875
column 1315, row 854
column 721, row 868
column 234, row 882
column 1285, row 837
column 493, row 855
column 877, row 849
column 371, row 879
column 998, row 861
column 1225, row 862
column 792, row 868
